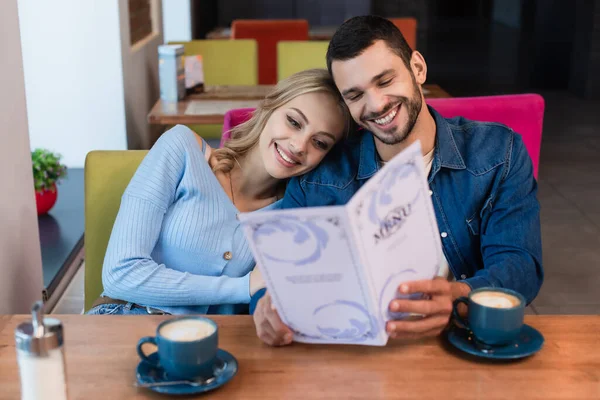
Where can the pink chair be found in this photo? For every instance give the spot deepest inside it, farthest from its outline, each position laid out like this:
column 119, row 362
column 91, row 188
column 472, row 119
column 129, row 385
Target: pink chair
column 524, row 113
column 234, row 118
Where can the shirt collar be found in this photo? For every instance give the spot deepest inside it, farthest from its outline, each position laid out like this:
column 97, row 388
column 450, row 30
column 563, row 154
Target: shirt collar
column 368, row 163
column 446, row 152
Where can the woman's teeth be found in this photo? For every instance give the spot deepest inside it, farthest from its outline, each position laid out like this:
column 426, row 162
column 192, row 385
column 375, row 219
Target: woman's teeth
column 286, row 158
column 388, row 118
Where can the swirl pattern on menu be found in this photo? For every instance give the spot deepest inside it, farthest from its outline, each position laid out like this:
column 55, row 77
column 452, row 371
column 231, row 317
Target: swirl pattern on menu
column 341, row 320
column 308, row 239
column 382, row 198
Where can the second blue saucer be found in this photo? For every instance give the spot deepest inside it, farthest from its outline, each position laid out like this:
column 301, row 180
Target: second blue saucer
column 529, row 342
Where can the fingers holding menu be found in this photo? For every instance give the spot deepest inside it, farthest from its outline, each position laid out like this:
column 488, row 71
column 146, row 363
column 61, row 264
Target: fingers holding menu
column 269, row 327
column 435, row 307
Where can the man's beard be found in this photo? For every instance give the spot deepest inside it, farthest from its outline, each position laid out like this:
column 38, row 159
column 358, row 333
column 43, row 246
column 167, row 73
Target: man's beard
column 398, row 134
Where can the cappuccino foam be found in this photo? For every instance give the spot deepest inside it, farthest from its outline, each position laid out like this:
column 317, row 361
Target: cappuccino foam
column 496, row 299
column 187, row 330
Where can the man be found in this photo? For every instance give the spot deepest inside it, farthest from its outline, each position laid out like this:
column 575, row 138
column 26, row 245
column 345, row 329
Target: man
column 480, row 176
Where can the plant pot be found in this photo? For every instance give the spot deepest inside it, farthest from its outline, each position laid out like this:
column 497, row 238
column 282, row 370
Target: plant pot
column 45, row 200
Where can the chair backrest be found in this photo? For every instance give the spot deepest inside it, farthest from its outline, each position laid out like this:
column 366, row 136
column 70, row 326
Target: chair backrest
column 524, row 113
column 234, row 118
column 296, row 56
column 408, row 27
column 226, row 62
column 107, row 174
column 267, row 33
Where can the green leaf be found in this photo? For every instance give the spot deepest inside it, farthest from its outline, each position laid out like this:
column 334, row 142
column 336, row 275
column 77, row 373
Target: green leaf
column 46, row 168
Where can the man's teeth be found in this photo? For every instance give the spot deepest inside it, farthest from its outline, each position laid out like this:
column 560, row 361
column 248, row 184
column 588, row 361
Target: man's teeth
column 386, row 120
column 286, row 158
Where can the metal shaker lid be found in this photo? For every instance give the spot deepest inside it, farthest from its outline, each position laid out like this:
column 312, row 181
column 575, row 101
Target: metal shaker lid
column 39, row 335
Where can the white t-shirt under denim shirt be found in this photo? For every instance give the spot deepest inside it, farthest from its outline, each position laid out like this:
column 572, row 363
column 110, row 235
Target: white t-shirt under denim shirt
column 444, row 268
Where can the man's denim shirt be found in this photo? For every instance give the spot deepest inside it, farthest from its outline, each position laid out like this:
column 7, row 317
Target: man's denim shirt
column 483, row 192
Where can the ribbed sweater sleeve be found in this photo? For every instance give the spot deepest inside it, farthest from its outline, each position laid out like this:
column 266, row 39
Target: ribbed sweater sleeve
column 129, row 272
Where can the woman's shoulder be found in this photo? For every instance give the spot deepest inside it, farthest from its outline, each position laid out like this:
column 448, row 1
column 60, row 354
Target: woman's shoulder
column 187, row 139
column 172, row 152
column 179, row 136
column 171, row 158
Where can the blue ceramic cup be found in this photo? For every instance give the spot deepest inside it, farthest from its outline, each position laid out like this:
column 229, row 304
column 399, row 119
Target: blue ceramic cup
column 495, row 315
column 187, row 347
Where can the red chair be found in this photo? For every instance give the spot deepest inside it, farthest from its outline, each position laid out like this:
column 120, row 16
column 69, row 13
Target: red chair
column 267, row 33
column 524, row 113
column 408, row 27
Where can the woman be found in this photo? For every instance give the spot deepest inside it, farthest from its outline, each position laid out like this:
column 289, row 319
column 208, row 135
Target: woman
column 176, row 245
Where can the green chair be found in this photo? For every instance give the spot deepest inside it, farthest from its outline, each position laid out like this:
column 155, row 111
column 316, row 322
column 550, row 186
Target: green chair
column 225, row 62
column 296, row 56
column 107, row 174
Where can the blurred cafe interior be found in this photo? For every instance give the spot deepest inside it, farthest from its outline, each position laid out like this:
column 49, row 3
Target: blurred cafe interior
column 89, row 87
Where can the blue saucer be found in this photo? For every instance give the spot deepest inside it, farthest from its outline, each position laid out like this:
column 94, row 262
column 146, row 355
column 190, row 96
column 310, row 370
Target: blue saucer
column 148, row 373
column 529, row 342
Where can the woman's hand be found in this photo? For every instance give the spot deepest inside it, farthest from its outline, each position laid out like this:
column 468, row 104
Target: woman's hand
column 256, row 281
column 269, row 327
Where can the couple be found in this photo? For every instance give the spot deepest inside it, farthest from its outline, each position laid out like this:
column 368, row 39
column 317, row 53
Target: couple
column 177, row 247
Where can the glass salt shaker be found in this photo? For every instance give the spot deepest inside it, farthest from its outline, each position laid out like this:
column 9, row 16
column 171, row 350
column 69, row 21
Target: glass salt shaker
column 40, row 354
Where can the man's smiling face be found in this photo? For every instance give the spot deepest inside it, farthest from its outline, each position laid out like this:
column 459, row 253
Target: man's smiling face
column 380, row 91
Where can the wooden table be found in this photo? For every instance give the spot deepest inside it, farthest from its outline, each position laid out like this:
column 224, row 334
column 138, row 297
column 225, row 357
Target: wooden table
column 316, row 33
column 101, row 361
column 216, row 100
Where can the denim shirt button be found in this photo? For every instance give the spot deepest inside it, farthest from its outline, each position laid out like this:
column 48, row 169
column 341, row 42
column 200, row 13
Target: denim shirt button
column 430, row 192
column 444, row 234
column 463, row 276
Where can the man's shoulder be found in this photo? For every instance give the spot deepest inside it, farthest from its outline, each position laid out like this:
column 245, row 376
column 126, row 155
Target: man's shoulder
column 338, row 169
column 478, row 133
column 482, row 145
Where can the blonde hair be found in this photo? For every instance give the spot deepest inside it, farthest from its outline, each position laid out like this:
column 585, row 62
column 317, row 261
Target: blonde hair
column 246, row 135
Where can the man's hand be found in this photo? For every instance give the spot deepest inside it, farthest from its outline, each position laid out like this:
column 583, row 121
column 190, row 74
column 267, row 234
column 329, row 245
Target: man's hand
column 436, row 308
column 269, row 327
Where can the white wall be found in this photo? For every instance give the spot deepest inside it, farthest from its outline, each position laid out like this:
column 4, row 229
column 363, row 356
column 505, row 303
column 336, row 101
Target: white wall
column 140, row 78
column 73, row 76
column 20, row 257
column 177, row 20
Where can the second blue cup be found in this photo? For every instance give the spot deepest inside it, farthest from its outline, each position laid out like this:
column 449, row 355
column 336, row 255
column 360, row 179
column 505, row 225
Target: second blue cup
column 495, row 315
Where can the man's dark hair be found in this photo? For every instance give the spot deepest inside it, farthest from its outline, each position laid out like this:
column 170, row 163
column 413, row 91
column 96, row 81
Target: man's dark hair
column 354, row 36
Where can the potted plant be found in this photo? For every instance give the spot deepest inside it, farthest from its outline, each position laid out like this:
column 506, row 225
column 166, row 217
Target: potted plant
column 47, row 171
